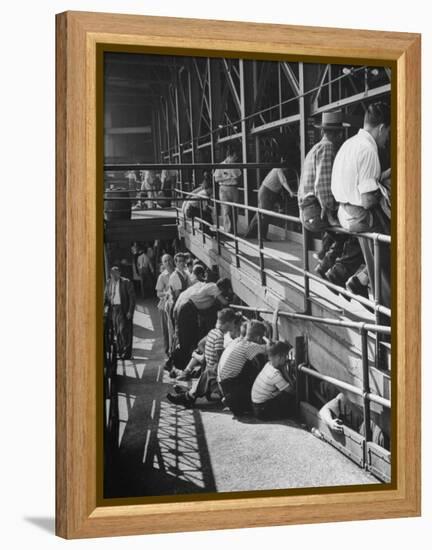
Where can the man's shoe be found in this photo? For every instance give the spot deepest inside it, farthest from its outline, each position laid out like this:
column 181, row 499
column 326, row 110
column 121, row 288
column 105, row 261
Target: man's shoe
column 330, row 277
column 354, row 285
column 184, row 376
column 180, row 399
column 320, row 271
column 179, row 389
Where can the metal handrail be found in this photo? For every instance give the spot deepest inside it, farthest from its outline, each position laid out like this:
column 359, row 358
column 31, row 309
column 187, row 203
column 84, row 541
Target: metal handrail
column 383, row 329
column 302, row 368
column 192, row 166
column 381, row 237
column 307, row 274
column 373, row 397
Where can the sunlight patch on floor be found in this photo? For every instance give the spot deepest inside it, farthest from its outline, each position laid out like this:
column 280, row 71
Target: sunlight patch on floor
column 178, row 444
column 125, row 404
column 143, row 319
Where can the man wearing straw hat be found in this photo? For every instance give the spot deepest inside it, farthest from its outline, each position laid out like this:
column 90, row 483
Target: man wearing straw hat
column 340, row 255
column 318, row 208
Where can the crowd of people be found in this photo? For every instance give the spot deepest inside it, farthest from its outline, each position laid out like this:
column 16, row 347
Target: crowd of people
column 340, row 185
column 212, row 352
column 209, row 343
column 343, row 185
column 227, row 357
column 151, row 189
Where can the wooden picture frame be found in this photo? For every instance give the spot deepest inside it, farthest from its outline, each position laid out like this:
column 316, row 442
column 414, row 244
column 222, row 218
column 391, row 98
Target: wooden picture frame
column 78, row 296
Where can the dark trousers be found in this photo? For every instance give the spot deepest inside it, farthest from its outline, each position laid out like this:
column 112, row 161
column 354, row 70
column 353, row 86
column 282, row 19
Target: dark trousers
column 123, row 330
column 356, row 218
column 267, row 200
column 343, row 259
column 147, row 284
column 207, row 319
column 187, row 334
column 206, row 215
column 279, row 407
column 237, row 391
column 207, row 383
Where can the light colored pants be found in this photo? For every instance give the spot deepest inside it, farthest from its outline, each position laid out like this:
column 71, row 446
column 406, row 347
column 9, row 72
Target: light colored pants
column 165, row 330
column 229, row 193
column 357, row 219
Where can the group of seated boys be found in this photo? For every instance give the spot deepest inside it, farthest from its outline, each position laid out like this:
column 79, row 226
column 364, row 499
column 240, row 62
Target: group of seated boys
column 237, row 363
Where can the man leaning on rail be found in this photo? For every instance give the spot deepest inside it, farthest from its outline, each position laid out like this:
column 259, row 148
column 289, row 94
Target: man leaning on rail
column 356, row 185
column 340, row 255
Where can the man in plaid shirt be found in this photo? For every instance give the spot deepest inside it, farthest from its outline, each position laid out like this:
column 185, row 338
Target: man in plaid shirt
column 318, row 207
column 340, row 255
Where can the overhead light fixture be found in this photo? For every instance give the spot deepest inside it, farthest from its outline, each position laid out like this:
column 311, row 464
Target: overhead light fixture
column 348, row 70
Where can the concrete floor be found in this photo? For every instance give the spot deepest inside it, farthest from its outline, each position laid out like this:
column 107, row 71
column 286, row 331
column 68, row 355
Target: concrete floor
column 165, row 449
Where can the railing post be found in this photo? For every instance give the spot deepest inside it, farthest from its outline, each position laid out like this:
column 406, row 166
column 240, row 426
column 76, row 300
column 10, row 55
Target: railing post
column 217, row 222
column 261, row 255
column 377, row 298
column 236, row 246
column 202, row 224
column 305, row 243
column 300, row 357
column 366, row 388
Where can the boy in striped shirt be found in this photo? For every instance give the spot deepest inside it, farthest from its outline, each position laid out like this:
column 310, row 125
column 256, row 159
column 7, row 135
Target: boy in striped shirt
column 238, row 368
column 272, row 392
column 214, row 347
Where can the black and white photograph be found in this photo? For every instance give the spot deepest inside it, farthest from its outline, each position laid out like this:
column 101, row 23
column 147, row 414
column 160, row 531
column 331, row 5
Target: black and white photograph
column 247, row 281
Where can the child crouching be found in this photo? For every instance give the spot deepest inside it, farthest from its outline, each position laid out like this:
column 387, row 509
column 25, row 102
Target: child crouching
column 273, row 392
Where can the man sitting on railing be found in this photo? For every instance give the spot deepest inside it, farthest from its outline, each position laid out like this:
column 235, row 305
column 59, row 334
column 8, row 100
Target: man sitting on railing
column 318, row 208
column 228, row 189
column 355, row 185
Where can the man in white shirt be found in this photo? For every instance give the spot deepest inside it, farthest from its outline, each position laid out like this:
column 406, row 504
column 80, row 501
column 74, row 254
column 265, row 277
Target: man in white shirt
column 355, row 185
column 228, row 189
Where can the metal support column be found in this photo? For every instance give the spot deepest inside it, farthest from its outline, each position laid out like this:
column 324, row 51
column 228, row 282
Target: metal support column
column 366, row 386
column 244, row 136
column 212, row 146
column 377, row 297
column 305, row 233
column 191, row 124
column 179, row 154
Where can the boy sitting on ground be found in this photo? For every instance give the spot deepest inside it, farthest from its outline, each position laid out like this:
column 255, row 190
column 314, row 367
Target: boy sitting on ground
column 237, row 371
column 197, row 362
column 214, row 346
column 273, row 390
